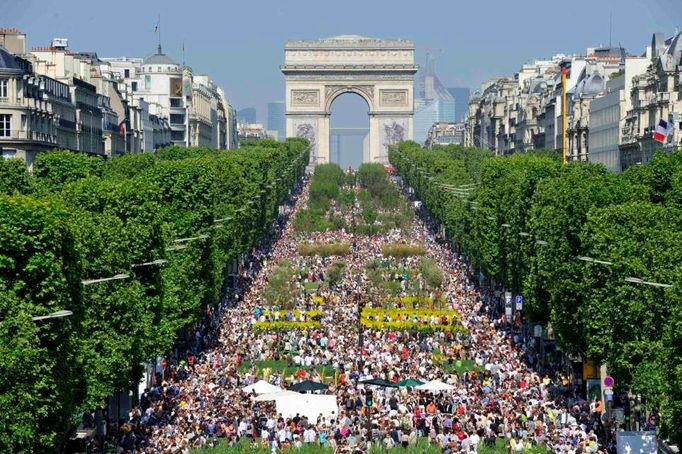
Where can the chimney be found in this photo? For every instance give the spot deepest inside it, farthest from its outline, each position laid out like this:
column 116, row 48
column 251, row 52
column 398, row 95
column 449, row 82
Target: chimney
column 13, row 40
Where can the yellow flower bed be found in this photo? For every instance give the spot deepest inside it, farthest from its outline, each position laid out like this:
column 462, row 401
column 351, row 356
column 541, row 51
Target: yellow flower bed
column 373, row 318
column 318, row 300
column 285, row 326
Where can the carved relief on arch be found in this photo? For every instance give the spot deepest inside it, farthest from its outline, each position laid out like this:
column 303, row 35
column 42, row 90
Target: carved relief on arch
column 366, row 91
column 305, row 97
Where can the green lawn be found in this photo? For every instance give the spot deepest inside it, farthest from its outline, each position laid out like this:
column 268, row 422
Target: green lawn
column 312, row 287
column 459, row 367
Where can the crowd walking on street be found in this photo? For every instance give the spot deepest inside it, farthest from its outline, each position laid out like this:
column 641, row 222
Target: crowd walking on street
column 500, row 393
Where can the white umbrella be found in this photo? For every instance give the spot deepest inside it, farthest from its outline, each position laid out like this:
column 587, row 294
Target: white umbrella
column 272, row 396
column 262, row 387
column 435, row 385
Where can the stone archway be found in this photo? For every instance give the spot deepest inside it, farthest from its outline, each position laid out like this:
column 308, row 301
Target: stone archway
column 380, row 71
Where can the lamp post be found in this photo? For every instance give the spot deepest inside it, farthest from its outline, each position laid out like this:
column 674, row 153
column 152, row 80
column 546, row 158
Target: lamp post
column 593, row 260
column 152, row 263
column 57, row 314
column 193, row 238
column 116, row 277
column 636, row 280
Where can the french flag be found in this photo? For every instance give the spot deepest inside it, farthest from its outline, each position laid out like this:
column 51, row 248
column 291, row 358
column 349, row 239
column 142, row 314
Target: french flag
column 662, row 131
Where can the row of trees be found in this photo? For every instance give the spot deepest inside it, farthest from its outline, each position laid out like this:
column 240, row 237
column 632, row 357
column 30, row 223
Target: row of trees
column 183, row 214
column 566, row 237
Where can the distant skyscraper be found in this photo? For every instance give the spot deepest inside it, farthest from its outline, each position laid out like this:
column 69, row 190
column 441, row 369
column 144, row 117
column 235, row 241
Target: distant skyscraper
column 277, row 119
column 461, row 97
column 425, row 115
column 247, row 115
column 433, row 102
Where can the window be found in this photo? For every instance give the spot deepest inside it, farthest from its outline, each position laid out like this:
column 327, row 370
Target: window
column 126, row 73
column 5, row 124
column 9, row 154
column 177, row 119
column 134, row 86
column 3, row 88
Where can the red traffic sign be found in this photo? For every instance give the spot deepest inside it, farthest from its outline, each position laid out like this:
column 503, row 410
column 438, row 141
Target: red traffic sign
column 608, row 381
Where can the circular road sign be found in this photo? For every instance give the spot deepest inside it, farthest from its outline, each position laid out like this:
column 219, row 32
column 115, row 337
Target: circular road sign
column 608, row 382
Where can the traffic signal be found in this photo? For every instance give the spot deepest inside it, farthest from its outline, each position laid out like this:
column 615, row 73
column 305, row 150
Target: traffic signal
column 369, row 398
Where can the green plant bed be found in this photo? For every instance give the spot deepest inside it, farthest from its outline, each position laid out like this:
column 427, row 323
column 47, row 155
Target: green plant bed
column 281, row 367
column 403, row 250
column 312, row 286
column 500, row 448
column 247, row 447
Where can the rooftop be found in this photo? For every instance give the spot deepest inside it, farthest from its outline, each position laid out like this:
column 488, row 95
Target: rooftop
column 159, row 58
column 9, row 63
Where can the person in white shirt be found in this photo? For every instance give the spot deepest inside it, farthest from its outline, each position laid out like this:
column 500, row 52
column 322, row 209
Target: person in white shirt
column 309, row 435
column 474, row 440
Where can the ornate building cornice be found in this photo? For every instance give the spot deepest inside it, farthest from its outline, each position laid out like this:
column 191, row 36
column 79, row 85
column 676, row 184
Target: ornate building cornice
column 350, row 42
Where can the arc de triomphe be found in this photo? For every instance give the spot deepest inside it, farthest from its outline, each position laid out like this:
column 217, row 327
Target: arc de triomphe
column 380, row 71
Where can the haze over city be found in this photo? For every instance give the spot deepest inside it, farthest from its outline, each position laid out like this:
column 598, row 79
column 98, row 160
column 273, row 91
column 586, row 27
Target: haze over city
column 240, row 44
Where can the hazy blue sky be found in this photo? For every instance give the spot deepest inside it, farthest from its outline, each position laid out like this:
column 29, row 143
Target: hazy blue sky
column 240, row 43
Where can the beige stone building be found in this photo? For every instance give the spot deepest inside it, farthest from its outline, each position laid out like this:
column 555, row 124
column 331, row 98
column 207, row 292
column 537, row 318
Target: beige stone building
column 655, row 95
column 36, row 112
column 443, row 133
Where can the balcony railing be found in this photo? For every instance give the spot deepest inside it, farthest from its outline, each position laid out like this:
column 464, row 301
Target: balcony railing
column 662, row 97
column 18, row 134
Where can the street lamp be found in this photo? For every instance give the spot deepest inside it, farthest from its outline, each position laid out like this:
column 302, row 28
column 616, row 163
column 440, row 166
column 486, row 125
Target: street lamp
column 215, row 221
column 524, row 234
column 179, row 247
column 593, row 260
column 541, row 242
column 152, row 263
column 506, row 226
column 58, row 314
column 116, row 277
column 200, row 237
column 636, row 280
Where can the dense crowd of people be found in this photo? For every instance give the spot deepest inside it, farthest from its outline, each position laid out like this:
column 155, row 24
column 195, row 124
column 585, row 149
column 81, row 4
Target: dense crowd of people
column 503, row 397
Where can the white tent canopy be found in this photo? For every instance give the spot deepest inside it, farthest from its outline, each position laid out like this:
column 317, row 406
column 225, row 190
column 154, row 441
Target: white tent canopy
column 309, row 405
column 273, row 396
column 435, row 385
column 262, row 387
